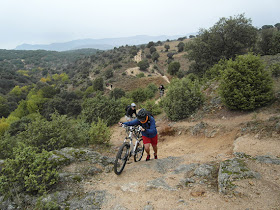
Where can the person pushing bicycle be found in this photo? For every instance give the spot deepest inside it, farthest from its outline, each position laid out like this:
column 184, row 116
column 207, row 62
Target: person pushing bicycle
column 149, row 131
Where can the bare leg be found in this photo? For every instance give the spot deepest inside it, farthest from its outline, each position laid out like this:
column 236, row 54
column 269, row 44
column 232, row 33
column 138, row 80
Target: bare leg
column 155, row 149
column 147, row 148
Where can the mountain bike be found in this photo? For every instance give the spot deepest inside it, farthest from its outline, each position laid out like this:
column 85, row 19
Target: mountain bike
column 128, row 149
column 161, row 92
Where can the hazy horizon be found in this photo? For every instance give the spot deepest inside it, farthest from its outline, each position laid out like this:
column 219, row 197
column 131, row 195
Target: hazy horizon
column 56, row 21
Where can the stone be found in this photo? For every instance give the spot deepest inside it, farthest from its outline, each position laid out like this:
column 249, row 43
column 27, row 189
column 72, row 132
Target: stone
column 109, row 169
column 93, row 171
column 185, row 168
column 158, row 183
column 164, row 165
column 268, row 159
column 203, row 170
column 232, row 170
column 130, row 187
column 91, row 200
column 198, row 128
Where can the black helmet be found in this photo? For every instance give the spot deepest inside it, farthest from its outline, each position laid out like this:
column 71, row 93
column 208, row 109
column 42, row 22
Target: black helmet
column 142, row 115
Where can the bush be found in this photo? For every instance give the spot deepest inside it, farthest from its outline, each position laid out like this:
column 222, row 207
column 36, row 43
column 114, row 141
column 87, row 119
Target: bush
column 155, row 56
column 98, row 84
column 102, row 107
column 58, row 133
column 140, row 75
column 28, row 171
column 7, row 144
column 152, row 107
column 117, row 93
column 167, row 47
column 275, row 69
column 181, row 46
column 109, row 73
column 173, row 68
column 182, row 99
column 143, row 65
column 139, row 95
column 245, row 85
column 99, row 133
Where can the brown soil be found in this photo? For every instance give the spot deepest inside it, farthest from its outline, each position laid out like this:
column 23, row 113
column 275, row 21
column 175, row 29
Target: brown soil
column 129, row 189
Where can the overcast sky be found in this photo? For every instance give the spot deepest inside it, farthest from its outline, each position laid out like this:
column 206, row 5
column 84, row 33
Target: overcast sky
column 49, row 21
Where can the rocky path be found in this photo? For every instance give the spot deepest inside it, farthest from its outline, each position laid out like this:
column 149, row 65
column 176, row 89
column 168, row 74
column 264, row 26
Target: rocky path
column 197, row 169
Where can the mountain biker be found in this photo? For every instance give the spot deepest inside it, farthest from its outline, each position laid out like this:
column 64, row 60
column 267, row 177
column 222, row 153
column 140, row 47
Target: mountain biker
column 161, row 90
column 130, row 111
column 149, row 131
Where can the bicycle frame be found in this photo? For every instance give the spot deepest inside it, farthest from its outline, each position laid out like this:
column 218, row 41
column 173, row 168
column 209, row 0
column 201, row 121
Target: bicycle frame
column 134, row 132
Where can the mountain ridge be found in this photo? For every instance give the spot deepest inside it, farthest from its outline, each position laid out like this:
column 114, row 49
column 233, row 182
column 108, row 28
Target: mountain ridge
column 101, row 44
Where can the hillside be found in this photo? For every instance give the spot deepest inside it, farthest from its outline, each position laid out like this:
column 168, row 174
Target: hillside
column 34, row 65
column 101, row 44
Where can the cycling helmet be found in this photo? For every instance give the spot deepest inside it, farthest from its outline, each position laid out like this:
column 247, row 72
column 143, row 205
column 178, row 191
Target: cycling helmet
column 142, row 115
column 133, row 104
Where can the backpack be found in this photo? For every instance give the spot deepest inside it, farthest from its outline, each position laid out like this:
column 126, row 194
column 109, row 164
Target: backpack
column 127, row 107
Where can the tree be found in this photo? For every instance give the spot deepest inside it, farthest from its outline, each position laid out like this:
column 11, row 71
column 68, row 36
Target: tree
column 155, row 56
column 277, row 25
column 245, row 84
column 267, row 27
column 4, row 107
column 102, row 107
column 173, row 68
column 181, row 47
column 152, row 49
column 167, row 47
column 150, row 44
column 143, row 65
column 269, row 42
column 226, row 39
column 98, row 84
column 182, row 99
column 108, row 73
column 117, row 93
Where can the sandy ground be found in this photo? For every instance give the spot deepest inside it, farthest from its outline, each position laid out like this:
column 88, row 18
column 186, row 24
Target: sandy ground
column 129, row 190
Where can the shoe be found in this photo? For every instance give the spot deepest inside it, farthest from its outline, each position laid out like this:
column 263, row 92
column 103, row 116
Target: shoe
column 148, row 158
column 155, row 156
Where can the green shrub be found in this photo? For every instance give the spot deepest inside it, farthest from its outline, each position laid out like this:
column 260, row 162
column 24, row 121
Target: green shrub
column 173, row 68
column 117, row 93
column 245, row 84
column 58, row 133
column 28, row 171
column 140, row 75
column 152, row 107
column 102, row 107
column 98, row 84
column 143, row 65
column 7, row 144
column 275, row 69
column 182, row 99
column 139, row 95
column 109, row 73
column 99, row 133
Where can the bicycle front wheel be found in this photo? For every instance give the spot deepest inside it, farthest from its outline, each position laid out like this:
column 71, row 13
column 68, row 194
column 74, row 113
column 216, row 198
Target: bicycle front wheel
column 121, row 158
column 139, row 151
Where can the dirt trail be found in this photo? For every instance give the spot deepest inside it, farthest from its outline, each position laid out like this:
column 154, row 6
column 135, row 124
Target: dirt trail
column 132, row 190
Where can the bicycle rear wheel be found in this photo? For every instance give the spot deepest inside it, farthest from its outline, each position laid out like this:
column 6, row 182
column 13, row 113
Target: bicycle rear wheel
column 139, row 151
column 121, row 158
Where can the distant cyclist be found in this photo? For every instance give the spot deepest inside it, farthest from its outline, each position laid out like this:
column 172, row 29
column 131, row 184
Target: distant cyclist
column 130, row 110
column 161, row 90
column 149, row 131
